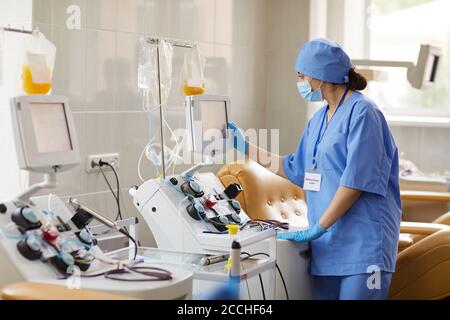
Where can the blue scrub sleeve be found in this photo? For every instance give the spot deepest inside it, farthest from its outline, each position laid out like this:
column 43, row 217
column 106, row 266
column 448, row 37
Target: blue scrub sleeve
column 294, row 163
column 370, row 150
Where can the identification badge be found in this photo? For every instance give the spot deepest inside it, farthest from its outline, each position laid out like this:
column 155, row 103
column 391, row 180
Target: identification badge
column 312, row 181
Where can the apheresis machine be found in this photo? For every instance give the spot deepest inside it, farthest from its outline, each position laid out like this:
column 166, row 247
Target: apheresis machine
column 45, row 239
column 197, row 223
column 193, row 212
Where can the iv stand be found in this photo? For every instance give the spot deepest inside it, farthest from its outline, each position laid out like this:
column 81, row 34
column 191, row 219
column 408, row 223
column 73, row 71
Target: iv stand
column 10, row 29
column 161, row 113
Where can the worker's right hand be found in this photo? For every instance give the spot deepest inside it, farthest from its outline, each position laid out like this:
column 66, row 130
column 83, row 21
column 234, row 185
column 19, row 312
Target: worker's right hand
column 240, row 143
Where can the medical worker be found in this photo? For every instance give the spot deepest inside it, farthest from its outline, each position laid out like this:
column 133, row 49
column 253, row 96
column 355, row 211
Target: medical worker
column 347, row 163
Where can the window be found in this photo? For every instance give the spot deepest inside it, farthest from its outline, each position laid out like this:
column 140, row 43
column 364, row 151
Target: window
column 397, row 28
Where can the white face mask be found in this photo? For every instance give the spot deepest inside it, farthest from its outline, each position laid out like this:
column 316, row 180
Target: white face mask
column 305, row 90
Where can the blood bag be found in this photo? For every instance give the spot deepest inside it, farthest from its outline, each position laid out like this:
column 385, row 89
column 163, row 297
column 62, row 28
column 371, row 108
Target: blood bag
column 193, row 80
column 37, row 66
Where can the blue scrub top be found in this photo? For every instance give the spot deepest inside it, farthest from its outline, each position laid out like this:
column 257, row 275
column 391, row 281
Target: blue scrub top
column 357, row 151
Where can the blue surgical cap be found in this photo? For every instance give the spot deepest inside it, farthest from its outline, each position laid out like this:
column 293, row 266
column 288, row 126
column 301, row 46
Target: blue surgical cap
column 324, row 60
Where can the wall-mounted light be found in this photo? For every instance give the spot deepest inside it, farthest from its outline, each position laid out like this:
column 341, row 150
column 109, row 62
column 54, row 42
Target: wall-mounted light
column 421, row 75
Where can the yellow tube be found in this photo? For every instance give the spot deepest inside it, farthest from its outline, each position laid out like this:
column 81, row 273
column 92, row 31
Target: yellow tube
column 232, row 229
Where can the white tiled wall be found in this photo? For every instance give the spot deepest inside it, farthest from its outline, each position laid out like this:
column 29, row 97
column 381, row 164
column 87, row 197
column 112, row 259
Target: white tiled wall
column 250, row 48
column 16, row 14
column 288, row 27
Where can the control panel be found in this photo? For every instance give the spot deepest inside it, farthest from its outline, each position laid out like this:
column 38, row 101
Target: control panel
column 47, row 236
column 44, row 241
column 207, row 204
column 217, row 208
column 197, row 209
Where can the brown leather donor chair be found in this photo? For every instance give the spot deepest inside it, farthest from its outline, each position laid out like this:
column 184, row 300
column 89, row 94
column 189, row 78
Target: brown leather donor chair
column 423, row 263
column 266, row 195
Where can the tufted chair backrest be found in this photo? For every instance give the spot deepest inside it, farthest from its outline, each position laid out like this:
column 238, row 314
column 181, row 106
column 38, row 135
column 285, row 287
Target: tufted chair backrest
column 266, row 195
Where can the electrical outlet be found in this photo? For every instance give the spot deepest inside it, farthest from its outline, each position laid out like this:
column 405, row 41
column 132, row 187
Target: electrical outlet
column 112, row 158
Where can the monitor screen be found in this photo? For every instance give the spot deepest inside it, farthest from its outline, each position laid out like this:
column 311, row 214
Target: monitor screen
column 214, row 116
column 431, row 68
column 50, row 127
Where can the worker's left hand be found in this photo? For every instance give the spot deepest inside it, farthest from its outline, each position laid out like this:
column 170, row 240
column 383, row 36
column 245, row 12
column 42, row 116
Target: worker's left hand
column 304, row 235
column 239, row 141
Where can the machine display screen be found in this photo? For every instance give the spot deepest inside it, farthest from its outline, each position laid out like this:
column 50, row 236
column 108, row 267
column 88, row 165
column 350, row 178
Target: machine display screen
column 214, row 116
column 431, row 68
column 50, row 127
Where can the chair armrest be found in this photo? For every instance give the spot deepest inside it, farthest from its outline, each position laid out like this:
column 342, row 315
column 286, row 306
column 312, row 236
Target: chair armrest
column 425, row 195
column 43, row 291
column 404, row 241
column 421, row 228
column 444, row 219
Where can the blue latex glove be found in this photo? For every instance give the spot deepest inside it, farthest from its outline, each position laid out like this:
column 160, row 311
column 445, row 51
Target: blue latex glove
column 239, row 141
column 304, row 235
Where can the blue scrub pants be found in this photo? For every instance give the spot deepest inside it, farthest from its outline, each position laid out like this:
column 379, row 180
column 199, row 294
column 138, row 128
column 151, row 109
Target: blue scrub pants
column 352, row 287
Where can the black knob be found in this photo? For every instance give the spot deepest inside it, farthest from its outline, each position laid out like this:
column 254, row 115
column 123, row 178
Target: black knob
column 30, row 248
column 233, row 190
column 219, row 222
column 235, row 205
column 3, row 208
column 82, row 259
column 85, row 237
column 192, row 188
column 63, row 261
column 236, row 218
column 25, row 219
column 173, row 181
column 223, row 220
column 196, row 211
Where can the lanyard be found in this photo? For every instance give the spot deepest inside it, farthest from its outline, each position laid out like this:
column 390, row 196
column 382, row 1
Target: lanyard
column 320, row 134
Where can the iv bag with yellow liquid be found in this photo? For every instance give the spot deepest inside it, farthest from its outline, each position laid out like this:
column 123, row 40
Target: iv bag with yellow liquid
column 193, row 80
column 192, row 91
column 37, row 64
column 30, row 86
